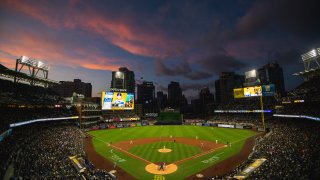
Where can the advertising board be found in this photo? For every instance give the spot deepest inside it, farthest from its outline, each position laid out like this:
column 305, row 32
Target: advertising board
column 252, row 91
column 117, row 101
column 238, row 93
column 268, row 90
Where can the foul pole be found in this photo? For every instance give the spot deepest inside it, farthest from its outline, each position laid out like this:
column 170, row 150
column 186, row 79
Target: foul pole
column 262, row 113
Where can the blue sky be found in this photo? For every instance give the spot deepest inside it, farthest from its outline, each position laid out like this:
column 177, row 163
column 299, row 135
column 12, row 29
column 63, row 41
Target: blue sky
column 191, row 42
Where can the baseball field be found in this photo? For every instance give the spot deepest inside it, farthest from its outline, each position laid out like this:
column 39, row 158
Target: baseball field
column 165, row 152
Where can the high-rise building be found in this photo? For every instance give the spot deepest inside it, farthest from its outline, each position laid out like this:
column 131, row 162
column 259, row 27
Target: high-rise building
column 272, row 73
column 227, row 82
column 174, row 94
column 205, row 97
column 146, row 94
column 161, row 100
column 123, row 79
column 67, row 88
column 218, row 92
column 183, row 104
column 195, row 106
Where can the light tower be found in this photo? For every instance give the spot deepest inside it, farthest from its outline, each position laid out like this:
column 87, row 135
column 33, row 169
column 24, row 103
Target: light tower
column 311, row 59
column 311, row 62
column 34, row 67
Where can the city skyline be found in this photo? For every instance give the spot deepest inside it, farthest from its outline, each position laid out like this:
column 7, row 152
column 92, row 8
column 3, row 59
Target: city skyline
column 189, row 42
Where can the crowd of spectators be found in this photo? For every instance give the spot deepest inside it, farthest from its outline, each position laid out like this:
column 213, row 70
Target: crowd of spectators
column 303, row 100
column 41, row 151
column 291, row 149
column 120, row 116
column 21, row 102
column 308, row 91
column 25, row 94
column 302, row 108
column 11, row 115
column 252, row 103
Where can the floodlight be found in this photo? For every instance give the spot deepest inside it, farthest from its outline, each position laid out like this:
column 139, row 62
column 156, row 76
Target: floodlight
column 24, row 58
column 309, row 55
column 251, row 74
column 42, row 65
column 119, row 75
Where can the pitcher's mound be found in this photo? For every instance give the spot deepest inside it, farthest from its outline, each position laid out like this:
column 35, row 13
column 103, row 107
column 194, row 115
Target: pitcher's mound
column 154, row 169
column 164, row 150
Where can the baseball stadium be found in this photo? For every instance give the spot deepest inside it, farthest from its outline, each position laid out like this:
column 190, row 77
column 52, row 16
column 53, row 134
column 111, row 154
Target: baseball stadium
column 159, row 90
column 257, row 135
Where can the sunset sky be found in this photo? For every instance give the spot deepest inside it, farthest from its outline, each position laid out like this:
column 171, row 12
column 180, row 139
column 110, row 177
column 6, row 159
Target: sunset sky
column 191, row 42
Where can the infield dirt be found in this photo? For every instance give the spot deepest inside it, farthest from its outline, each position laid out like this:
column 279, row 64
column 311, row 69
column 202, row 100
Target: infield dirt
column 218, row 169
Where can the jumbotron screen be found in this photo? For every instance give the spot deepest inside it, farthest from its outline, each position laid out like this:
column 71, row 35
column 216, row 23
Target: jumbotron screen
column 252, row 91
column 117, row 101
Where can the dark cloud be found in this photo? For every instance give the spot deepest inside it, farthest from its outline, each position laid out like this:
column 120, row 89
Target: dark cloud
column 162, row 88
column 220, row 62
column 290, row 57
column 287, row 16
column 181, row 69
column 196, row 86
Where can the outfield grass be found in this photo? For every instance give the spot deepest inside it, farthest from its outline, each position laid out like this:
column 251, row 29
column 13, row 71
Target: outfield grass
column 136, row 167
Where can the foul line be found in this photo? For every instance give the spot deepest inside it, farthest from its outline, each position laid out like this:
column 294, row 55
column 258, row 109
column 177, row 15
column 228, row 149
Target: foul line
column 131, row 154
column 124, row 151
column 243, row 139
column 198, row 155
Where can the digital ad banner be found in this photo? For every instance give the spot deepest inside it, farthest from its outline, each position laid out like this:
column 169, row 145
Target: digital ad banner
column 238, row 93
column 252, row 91
column 117, row 101
column 268, row 90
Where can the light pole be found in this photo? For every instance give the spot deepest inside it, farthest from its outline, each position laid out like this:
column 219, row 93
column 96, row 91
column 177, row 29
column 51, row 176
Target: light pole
column 262, row 113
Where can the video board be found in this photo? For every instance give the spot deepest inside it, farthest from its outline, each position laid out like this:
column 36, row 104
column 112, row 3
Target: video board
column 252, row 91
column 238, row 93
column 117, row 101
column 268, row 90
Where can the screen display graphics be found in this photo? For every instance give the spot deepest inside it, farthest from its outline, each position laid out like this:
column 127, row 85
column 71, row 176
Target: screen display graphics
column 268, row 90
column 238, row 93
column 117, row 101
column 252, row 91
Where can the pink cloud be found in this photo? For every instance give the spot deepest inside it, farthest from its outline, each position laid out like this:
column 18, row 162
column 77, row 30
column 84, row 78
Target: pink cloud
column 119, row 32
column 9, row 63
column 100, row 66
column 50, row 51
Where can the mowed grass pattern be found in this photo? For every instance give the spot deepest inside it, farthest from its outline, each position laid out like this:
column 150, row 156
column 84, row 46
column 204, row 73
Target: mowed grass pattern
column 136, row 167
column 179, row 151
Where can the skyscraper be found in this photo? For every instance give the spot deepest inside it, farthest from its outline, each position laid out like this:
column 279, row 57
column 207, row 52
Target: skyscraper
column 123, row 79
column 218, row 92
column 161, row 100
column 227, row 82
column 146, row 93
column 272, row 73
column 146, row 96
column 205, row 97
column 174, row 94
